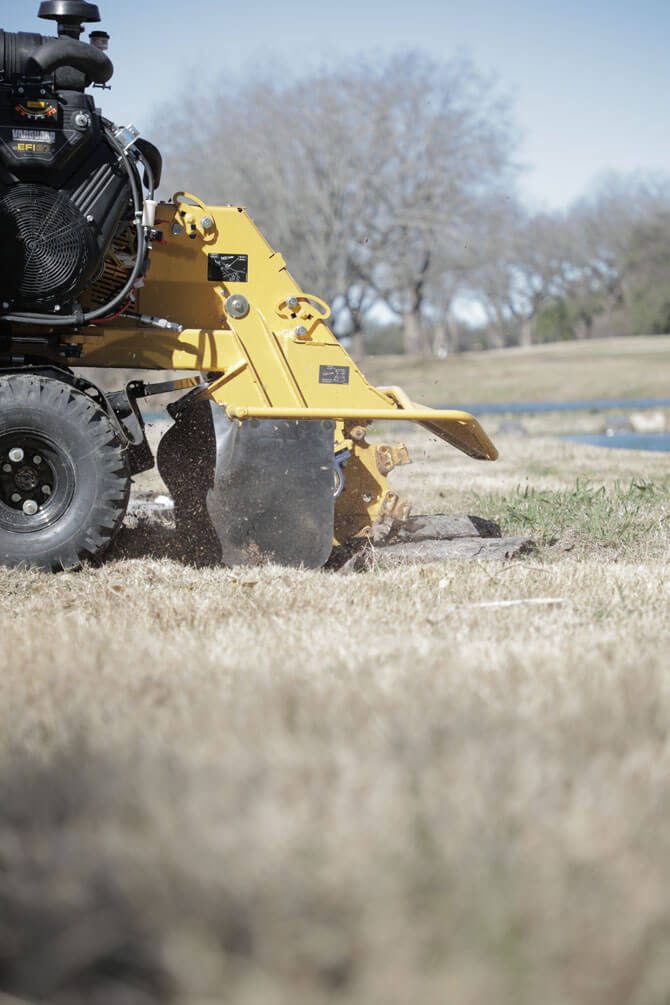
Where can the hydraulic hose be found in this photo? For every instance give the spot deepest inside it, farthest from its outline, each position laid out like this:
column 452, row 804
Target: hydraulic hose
column 77, row 320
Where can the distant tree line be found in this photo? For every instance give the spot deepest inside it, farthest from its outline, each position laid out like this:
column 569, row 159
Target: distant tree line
column 394, row 184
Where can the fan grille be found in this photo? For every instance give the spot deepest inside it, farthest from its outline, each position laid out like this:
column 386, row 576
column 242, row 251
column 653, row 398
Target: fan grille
column 48, row 248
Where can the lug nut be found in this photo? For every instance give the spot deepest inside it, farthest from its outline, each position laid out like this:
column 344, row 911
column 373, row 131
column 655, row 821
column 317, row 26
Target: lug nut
column 16, row 497
column 16, row 455
column 37, row 459
column 46, row 490
column 30, row 507
column 6, row 467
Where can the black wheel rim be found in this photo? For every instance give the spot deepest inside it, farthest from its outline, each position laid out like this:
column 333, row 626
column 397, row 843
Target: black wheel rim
column 37, row 481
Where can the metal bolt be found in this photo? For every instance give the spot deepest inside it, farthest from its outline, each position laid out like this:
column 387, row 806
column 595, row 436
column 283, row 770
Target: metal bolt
column 292, row 302
column 301, row 331
column 30, row 507
column 206, row 222
column 37, row 459
column 46, row 490
column 177, row 229
column 56, row 308
column 90, row 218
column 21, row 90
column 237, row 306
column 16, row 497
column 16, row 455
column 82, row 120
column 358, row 433
column 6, row 467
column 42, row 91
column 5, row 305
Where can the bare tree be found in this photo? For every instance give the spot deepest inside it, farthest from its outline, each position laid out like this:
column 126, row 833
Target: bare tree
column 366, row 177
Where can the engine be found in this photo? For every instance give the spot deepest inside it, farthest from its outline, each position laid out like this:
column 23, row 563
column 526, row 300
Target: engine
column 73, row 241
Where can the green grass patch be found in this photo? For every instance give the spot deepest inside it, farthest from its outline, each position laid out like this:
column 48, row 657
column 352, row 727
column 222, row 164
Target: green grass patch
column 623, row 517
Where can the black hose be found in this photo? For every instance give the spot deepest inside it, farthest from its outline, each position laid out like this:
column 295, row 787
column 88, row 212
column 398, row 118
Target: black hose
column 58, row 52
column 74, row 320
column 152, row 157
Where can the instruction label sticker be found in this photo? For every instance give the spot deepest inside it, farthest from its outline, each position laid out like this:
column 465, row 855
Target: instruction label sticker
column 227, row 268
column 333, row 374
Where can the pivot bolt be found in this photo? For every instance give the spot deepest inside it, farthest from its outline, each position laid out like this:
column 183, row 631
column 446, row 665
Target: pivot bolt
column 206, row 222
column 30, row 507
column 292, row 302
column 237, row 306
column 301, row 331
column 16, row 455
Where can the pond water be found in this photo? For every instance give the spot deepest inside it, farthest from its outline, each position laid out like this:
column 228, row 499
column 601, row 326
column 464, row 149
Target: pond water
column 623, row 441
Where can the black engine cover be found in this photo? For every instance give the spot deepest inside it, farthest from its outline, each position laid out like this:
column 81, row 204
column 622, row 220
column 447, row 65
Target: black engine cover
column 62, row 197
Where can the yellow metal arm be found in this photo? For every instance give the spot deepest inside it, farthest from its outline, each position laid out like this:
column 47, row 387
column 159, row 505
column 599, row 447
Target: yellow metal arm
column 228, row 307
column 458, row 428
column 246, row 320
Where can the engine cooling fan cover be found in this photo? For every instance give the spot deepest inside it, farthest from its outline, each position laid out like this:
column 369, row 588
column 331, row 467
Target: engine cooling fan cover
column 47, row 248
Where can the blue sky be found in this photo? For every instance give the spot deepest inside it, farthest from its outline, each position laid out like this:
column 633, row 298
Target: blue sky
column 589, row 81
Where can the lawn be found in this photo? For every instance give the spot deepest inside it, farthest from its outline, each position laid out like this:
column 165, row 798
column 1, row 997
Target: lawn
column 266, row 786
column 558, row 371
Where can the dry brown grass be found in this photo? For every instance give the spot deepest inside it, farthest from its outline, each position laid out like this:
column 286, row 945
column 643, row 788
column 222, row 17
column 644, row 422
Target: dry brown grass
column 272, row 787
column 558, row 371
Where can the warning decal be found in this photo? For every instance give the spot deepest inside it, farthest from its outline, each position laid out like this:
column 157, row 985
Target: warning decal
column 227, row 268
column 333, row 374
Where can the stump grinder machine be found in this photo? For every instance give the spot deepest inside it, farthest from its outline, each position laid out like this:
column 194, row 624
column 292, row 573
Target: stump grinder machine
column 267, row 456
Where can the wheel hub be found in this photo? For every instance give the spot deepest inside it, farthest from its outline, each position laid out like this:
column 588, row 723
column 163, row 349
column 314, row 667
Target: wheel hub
column 26, row 479
column 35, row 483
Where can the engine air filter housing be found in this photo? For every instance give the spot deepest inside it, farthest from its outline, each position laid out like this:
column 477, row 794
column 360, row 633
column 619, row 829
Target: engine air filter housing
column 69, row 14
